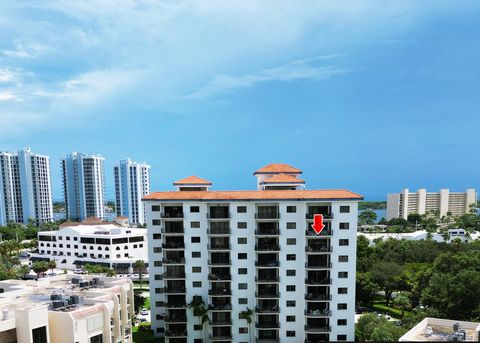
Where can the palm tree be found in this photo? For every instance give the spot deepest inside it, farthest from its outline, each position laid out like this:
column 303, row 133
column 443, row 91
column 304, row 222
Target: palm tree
column 24, row 270
column 139, row 266
column 248, row 316
column 199, row 310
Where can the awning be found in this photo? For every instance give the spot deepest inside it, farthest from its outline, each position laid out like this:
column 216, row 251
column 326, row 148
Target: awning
column 121, row 265
column 78, row 262
column 37, row 259
column 64, row 261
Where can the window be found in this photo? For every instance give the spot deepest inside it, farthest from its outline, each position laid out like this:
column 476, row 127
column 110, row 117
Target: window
column 39, row 335
column 158, row 290
column 197, row 284
column 156, row 250
column 75, row 246
column 74, row 238
column 158, row 277
column 242, row 286
column 343, row 242
column 291, row 257
column 290, row 303
column 291, row 226
column 157, row 263
column 196, row 269
column 290, row 333
column 155, row 208
column 195, row 239
column 290, row 288
column 242, row 301
column 197, row 327
column 242, row 256
column 343, row 258
column 341, row 322
column 156, row 222
column 195, row 225
column 342, row 275
column 196, row 254
column 291, row 272
column 242, row 330
column 95, row 339
column 242, row 225
column 197, row 340
column 242, row 271
column 290, row 318
column 342, row 290
column 341, row 337
column 342, row 306
column 344, row 209
column 291, row 209
column 241, row 209
column 291, row 241
column 344, row 226
column 157, row 236
column 194, row 209
column 242, row 240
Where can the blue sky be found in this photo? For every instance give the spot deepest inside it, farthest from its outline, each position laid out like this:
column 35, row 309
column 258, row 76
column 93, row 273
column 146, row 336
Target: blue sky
column 371, row 95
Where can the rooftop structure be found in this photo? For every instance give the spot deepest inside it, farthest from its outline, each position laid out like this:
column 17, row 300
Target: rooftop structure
column 438, row 330
column 66, row 308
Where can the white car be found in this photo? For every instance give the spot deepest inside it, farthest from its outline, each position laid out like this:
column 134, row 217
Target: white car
column 144, row 312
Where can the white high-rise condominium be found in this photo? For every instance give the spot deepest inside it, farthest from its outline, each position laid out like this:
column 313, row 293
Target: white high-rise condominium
column 239, row 250
column 132, row 183
column 84, row 186
column 25, row 187
column 400, row 205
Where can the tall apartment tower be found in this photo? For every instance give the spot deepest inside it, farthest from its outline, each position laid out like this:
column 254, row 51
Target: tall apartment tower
column 132, row 183
column 84, row 186
column 239, row 250
column 25, row 187
column 400, row 205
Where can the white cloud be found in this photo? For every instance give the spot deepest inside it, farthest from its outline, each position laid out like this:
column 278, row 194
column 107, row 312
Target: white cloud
column 7, row 95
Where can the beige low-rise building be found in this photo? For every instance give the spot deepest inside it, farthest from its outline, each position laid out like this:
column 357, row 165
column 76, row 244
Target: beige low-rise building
column 438, row 330
column 66, row 308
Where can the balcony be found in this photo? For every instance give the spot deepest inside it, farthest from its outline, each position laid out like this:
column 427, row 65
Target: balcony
column 267, row 309
column 172, row 215
column 267, row 215
column 266, row 340
column 325, row 281
column 325, row 232
column 173, row 245
column 222, row 337
column 267, row 247
column 173, row 230
column 174, row 290
column 170, row 333
column 218, row 247
column 312, row 249
column 220, row 307
column 219, row 292
column 318, row 297
column 174, row 260
column 219, row 231
column 318, row 313
column 267, row 294
column 267, row 325
column 220, row 322
column 311, row 265
column 267, row 278
column 218, row 212
column 219, row 262
column 267, row 263
column 219, row 277
column 174, row 275
column 267, row 232
column 319, row 328
column 175, row 304
column 326, row 216
column 175, row 319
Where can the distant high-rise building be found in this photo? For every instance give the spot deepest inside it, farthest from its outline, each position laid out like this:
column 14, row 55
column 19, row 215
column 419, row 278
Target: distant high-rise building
column 400, row 205
column 84, row 186
column 132, row 183
column 25, row 187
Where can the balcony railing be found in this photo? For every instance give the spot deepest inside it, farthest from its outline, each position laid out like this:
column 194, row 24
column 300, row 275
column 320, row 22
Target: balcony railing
column 177, row 304
column 326, row 265
column 318, row 249
column 218, row 247
column 325, row 215
column 221, row 337
column 225, row 215
column 318, row 328
column 220, row 291
column 267, row 232
column 168, row 215
column 175, row 319
column 270, row 294
column 325, row 281
column 318, row 297
column 173, row 245
column 219, row 277
column 267, row 215
column 265, row 309
column 172, row 230
column 268, row 325
column 325, row 232
column 174, row 275
column 220, row 307
column 169, row 333
column 267, row 279
column 267, row 263
column 219, row 262
column 173, row 261
column 177, row 290
column 218, row 322
column 219, row 231
column 319, row 313
column 267, row 247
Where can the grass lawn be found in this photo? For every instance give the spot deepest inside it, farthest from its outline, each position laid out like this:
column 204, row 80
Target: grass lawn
column 144, row 336
column 380, row 305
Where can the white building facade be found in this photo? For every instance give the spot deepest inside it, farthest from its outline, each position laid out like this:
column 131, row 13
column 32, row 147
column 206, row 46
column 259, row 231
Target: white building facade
column 67, row 308
column 84, row 186
column 257, row 250
column 400, row 205
column 113, row 245
column 25, row 188
column 132, row 183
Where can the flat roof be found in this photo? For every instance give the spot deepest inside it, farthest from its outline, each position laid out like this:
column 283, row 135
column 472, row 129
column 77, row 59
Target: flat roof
column 332, row 194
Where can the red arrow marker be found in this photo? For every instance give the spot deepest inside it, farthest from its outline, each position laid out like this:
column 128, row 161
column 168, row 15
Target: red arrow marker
column 318, row 223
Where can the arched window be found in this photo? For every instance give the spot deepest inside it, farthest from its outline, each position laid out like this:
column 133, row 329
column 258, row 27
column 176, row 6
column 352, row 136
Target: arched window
column 42, row 245
column 107, row 249
column 48, row 244
column 118, row 248
column 85, row 247
column 125, row 247
column 54, row 245
column 91, row 248
column 99, row 248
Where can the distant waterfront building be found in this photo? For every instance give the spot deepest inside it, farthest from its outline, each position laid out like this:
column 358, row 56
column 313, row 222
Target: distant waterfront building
column 84, row 186
column 132, row 183
column 110, row 244
column 253, row 249
column 67, row 308
column 25, row 187
column 400, row 205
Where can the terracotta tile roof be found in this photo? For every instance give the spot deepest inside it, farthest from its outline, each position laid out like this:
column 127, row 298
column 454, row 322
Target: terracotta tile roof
column 192, row 180
column 283, row 178
column 278, row 168
column 333, row 194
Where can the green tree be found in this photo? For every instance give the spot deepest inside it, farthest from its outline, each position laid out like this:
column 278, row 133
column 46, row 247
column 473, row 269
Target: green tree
column 24, row 270
column 199, row 310
column 139, row 267
column 403, row 302
column 367, row 217
column 248, row 316
column 387, row 276
column 40, row 267
column 365, row 288
column 52, row 265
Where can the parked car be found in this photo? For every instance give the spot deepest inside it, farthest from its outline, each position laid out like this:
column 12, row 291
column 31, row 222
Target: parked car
column 144, row 312
column 24, row 254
